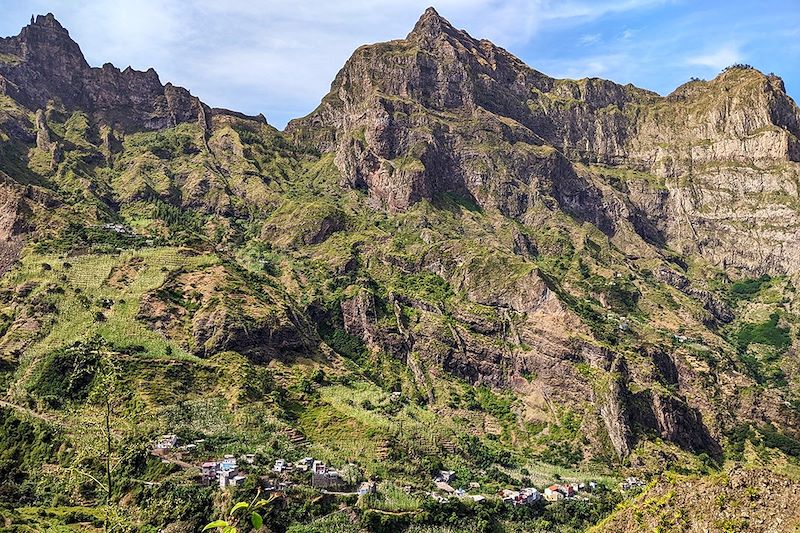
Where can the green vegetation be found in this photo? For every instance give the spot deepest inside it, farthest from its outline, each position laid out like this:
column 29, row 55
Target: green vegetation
column 25, row 445
column 167, row 144
column 747, row 288
column 391, row 498
column 424, row 286
column 563, row 442
column 768, row 333
column 766, row 436
column 224, row 286
column 494, row 404
column 252, row 512
column 620, row 294
column 66, row 375
column 95, row 239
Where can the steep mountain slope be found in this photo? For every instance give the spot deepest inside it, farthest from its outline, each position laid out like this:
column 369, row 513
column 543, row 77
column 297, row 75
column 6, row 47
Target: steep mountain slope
column 441, row 113
column 548, row 272
column 703, row 170
column 734, row 500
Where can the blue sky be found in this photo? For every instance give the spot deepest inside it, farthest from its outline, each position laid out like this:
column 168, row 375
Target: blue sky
column 278, row 57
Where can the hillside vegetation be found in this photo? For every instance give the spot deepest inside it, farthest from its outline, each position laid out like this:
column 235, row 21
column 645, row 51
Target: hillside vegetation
column 523, row 283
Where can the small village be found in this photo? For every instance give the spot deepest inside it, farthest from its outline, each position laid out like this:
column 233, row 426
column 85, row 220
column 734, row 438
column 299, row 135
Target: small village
column 230, row 471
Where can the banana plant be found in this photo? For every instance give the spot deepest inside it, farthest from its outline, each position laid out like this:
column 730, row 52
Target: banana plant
column 239, row 513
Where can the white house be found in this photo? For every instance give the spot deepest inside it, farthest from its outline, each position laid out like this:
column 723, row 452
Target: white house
column 304, row 464
column 228, row 464
column 529, row 495
column 367, row 487
column 166, row 442
column 553, row 494
column 318, row 467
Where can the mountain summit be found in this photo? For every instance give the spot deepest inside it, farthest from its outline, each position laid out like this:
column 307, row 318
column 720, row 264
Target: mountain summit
column 430, row 25
column 410, row 119
column 43, row 64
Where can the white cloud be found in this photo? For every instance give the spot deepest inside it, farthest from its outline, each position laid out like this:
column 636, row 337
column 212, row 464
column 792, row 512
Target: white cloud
column 590, row 38
column 718, row 59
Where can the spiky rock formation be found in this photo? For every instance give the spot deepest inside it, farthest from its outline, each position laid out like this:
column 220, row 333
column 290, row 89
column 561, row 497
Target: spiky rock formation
column 43, row 64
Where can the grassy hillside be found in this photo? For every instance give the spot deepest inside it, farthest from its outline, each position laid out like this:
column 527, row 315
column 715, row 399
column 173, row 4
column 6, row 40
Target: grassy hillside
column 223, row 286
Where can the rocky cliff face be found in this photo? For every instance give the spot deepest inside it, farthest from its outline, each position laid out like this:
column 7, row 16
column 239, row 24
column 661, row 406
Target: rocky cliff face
column 12, row 211
column 727, row 171
column 43, row 63
column 442, row 113
column 704, row 169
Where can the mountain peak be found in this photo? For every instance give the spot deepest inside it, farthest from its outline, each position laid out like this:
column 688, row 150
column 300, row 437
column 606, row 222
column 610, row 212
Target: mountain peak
column 48, row 21
column 430, row 13
column 46, row 43
column 431, row 25
column 49, row 65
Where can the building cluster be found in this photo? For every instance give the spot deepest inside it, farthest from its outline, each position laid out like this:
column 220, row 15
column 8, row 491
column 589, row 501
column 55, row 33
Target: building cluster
column 282, row 466
column 116, row 228
column 170, row 441
column 166, row 442
column 553, row 493
column 558, row 492
column 225, row 472
column 523, row 496
column 442, row 481
column 322, row 476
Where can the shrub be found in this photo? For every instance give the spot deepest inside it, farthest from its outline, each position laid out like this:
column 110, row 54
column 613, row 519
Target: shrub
column 772, row 438
column 739, row 66
column 768, row 333
column 67, row 374
column 747, row 288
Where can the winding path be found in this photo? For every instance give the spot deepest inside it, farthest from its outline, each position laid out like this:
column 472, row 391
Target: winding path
column 164, row 457
column 30, row 412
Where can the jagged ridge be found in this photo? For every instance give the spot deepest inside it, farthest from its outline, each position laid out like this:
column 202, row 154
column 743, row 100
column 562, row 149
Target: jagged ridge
column 441, row 112
column 43, row 63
